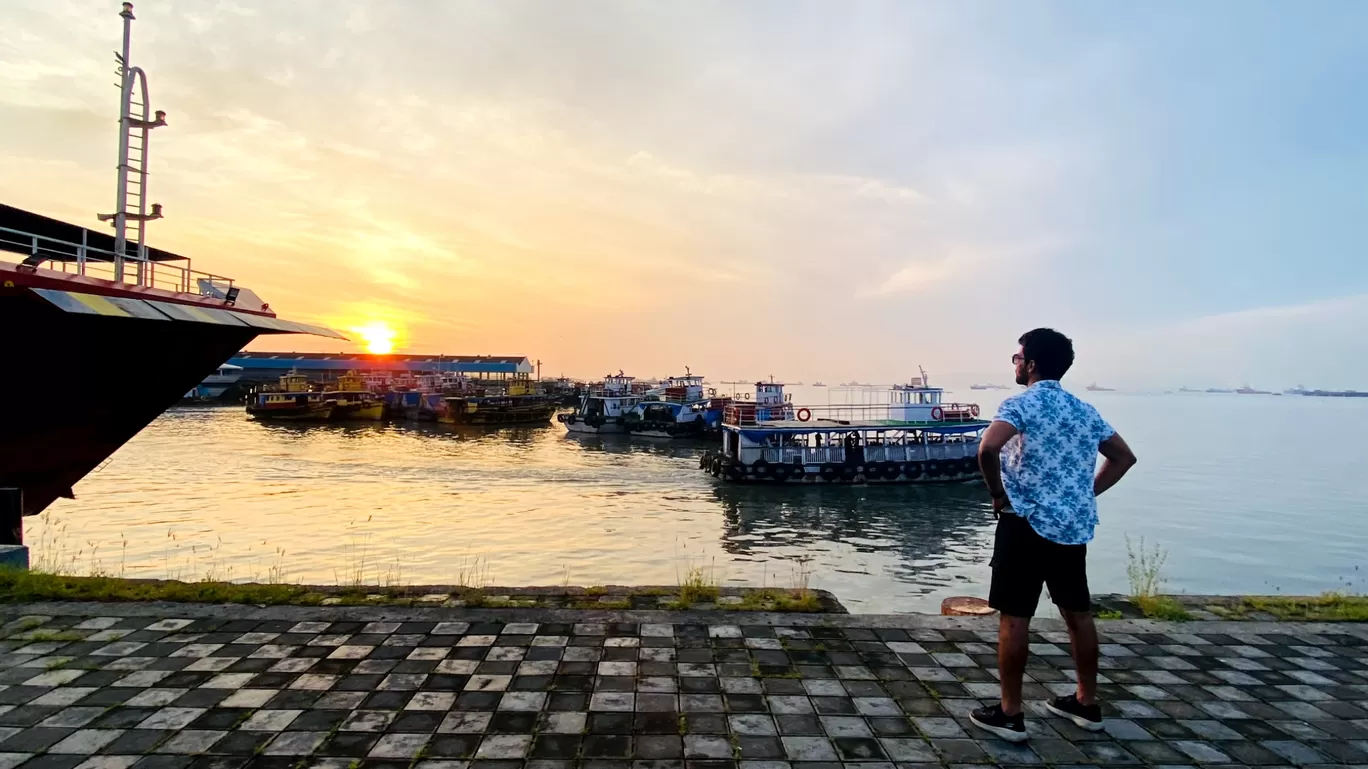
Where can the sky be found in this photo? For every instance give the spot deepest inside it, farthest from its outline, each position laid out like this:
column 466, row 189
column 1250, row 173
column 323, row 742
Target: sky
column 803, row 189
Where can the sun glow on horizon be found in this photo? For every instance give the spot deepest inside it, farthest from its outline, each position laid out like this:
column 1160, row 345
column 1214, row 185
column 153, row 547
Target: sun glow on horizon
column 377, row 336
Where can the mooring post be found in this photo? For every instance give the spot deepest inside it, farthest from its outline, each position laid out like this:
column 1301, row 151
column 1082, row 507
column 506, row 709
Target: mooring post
column 13, row 554
column 11, row 516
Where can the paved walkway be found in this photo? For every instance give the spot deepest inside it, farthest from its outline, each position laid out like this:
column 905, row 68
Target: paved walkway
column 166, row 687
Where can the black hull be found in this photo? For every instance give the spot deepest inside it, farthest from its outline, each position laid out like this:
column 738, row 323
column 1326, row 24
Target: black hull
column 934, row 471
column 499, row 418
column 53, row 433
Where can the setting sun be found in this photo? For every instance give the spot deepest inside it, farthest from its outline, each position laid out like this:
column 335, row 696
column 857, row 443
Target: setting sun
column 377, row 336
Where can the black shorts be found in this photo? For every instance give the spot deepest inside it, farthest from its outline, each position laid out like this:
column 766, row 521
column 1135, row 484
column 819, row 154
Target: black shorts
column 1023, row 561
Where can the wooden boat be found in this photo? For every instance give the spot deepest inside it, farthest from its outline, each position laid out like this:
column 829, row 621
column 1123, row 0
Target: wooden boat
column 354, row 401
column 293, row 400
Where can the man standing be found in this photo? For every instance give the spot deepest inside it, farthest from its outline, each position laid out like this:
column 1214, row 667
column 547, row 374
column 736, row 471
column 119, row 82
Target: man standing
column 1038, row 458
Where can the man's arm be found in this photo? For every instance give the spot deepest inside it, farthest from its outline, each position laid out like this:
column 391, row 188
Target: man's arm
column 990, row 460
column 1117, row 458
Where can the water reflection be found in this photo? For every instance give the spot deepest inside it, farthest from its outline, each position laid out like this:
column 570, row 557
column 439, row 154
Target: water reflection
column 918, row 539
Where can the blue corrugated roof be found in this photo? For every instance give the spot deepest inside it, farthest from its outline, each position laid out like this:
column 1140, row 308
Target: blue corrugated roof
column 345, row 363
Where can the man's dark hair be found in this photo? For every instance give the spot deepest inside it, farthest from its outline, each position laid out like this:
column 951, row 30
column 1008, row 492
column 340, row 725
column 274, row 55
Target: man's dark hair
column 1052, row 352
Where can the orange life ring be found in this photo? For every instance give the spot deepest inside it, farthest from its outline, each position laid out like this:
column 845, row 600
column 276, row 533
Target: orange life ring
column 973, row 409
column 937, row 414
column 804, row 415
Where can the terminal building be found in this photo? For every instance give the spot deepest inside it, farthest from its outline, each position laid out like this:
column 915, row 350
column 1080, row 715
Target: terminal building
column 323, row 366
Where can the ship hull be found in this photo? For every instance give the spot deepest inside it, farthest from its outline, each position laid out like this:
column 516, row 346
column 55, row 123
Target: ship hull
column 954, row 470
column 313, row 412
column 581, row 428
column 51, row 443
column 373, row 411
column 538, row 411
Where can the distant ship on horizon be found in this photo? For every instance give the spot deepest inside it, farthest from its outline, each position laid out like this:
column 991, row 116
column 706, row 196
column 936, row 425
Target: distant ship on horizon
column 1247, row 390
column 1096, row 388
column 987, row 387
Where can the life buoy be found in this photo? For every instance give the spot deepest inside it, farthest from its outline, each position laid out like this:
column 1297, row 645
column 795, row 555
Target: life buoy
column 937, row 414
column 804, row 415
column 973, row 409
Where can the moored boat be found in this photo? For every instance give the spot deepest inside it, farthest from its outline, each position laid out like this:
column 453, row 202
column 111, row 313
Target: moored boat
column 114, row 303
column 668, row 411
column 517, row 403
column 293, row 399
column 353, row 400
column 603, row 408
column 916, row 437
column 214, row 386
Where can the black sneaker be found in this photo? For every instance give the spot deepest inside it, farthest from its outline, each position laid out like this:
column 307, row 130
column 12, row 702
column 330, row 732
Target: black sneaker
column 992, row 719
column 1085, row 716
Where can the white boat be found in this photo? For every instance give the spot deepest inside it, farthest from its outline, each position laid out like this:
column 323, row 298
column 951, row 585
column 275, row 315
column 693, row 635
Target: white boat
column 603, row 407
column 910, row 436
column 668, row 411
column 216, row 384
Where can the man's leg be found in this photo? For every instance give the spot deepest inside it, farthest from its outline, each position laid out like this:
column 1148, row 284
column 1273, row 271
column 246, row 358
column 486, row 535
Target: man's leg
column 1013, row 646
column 1083, row 639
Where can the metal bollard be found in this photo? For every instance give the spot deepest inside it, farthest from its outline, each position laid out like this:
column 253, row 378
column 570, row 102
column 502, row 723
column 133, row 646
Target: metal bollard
column 11, row 516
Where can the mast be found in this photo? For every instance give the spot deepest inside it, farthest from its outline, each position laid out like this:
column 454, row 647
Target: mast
column 130, row 201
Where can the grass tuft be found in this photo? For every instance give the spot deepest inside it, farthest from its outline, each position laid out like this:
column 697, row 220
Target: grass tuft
column 32, row 586
column 698, row 586
column 1327, row 607
column 1144, row 570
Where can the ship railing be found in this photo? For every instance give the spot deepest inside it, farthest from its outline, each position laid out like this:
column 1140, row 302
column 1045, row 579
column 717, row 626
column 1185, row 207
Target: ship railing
column 951, row 413
column 812, row 455
column 743, row 414
column 90, row 261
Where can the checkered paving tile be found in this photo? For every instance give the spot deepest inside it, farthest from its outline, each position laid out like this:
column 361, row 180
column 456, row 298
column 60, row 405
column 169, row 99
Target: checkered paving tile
column 125, row 692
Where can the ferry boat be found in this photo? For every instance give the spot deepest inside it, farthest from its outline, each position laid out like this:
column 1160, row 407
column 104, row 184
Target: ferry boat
column 353, row 400
column 114, row 303
column 916, row 437
column 293, row 399
column 216, row 384
column 668, row 411
column 518, row 404
column 604, row 407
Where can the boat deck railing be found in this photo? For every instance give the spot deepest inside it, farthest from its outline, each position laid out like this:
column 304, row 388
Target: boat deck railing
column 89, row 261
column 816, row 455
column 746, row 414
column 749, row 414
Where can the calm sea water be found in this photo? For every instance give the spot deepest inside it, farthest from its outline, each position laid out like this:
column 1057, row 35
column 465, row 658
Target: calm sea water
column 1246, row 493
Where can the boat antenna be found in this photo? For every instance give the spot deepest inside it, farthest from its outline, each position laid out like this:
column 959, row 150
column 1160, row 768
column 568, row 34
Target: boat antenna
column 925, row 381
column 130, row 201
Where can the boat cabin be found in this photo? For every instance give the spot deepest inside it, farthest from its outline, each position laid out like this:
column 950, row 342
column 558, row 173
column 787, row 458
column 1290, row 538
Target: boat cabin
column 681, row 389
column 294, row 382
